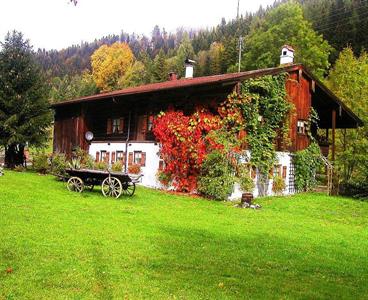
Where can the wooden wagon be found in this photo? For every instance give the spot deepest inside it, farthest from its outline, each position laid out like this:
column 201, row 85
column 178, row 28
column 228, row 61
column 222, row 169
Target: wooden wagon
column 113, row 184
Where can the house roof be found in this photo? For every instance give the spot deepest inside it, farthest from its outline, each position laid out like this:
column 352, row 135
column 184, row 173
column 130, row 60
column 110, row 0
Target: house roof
column 181, row 83
column 214, row 80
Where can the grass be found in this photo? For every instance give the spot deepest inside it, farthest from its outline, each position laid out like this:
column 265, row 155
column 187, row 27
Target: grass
column 60, row 245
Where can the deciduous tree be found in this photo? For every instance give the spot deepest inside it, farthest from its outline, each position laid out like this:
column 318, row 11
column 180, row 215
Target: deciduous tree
column 110, row 63
column 285, row 25
column 349, row 80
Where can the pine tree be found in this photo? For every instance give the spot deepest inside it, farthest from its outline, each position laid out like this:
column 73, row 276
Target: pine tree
column 160, row 67
column 24, row 110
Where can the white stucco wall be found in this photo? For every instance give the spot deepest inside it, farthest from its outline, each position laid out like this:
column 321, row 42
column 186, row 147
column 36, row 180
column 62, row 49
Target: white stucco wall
column 152, row 164
column 283, row 159
column 152, row 158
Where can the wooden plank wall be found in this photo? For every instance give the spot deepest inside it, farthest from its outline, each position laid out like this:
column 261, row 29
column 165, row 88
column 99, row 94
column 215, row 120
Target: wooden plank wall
column 300, row 94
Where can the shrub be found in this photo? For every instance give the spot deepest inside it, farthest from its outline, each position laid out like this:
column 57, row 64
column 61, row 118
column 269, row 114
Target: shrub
column 58, row 164
column 216, row 180
column 357, row 190
column 117, row 166
column 85, row 160
column 101, row 165
column 40, row 162
column 246, row 183
column 134, row 169
column 278, row 185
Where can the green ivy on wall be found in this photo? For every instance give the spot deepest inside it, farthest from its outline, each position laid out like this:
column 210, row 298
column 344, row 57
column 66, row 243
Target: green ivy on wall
column 262, row 111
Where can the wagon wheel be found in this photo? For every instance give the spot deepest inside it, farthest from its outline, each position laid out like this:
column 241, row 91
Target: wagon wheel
column 75, row 184
column 111, row 186
column 128, row 188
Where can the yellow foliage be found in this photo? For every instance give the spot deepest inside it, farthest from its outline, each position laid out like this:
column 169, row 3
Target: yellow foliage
column 110, row 63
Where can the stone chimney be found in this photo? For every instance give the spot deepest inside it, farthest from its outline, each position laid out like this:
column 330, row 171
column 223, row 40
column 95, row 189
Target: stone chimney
column 173, row 76
column 189, row 68
column 287, row 55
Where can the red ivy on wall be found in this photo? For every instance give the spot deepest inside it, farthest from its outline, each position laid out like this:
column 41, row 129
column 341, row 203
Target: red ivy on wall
column 185, row 143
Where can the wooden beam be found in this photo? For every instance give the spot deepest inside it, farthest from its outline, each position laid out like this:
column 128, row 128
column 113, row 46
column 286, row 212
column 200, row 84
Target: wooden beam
column 333, row 133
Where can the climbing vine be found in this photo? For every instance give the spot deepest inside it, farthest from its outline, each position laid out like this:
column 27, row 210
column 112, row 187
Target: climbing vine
column 306, row 162
column 261, row 110
column 184, row 143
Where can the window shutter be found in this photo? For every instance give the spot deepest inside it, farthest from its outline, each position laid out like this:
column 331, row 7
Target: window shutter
column 109, row 126
column 107, row 159
column 113, row 154
column 253, row 172
column 143, row 159
column 123, row 158
column 121, row 125
column 144, row 125
column 97, row 156
column 284, row 169
column 130, row 159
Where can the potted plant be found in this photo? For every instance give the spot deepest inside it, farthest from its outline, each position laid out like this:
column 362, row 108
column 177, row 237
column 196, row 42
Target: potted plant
column 134, row 171
column 164, row 178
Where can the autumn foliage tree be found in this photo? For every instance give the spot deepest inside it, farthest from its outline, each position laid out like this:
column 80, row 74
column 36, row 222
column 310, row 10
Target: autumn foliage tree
column 110, row 64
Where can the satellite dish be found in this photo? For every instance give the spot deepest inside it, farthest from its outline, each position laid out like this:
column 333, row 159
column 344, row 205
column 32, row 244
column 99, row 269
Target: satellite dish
column 89, row 136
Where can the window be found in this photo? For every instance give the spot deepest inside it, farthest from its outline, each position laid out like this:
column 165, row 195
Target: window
column 115, row 125
column 150, row 123
column 137, row 157
column 120, row 156
column 103, row 155
column 301, row 127
column 277, row 170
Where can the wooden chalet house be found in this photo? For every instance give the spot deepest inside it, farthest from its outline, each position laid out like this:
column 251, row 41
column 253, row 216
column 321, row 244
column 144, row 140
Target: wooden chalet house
column 121, row 121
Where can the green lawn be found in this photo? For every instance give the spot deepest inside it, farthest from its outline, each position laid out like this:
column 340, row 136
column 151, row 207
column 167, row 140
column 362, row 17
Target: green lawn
column 61, row 245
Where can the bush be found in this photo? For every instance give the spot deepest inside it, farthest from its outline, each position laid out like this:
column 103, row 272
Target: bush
column 245, row 181
column 358, row 190
column 101, row 165
column 278, row 185
column 216, row 180
column 85, row 160
column 40, row 162
column 117, row 166
column 58, row 165
column 134, row 169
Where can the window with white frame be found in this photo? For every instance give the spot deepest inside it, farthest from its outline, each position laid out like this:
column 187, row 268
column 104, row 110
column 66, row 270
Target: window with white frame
column 301, row 125
column 115, row 125
column 120, row 156
column 103, row 155
column 138, row 157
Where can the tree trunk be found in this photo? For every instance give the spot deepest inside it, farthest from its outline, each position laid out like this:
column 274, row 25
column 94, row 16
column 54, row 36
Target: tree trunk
column 14, row 156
